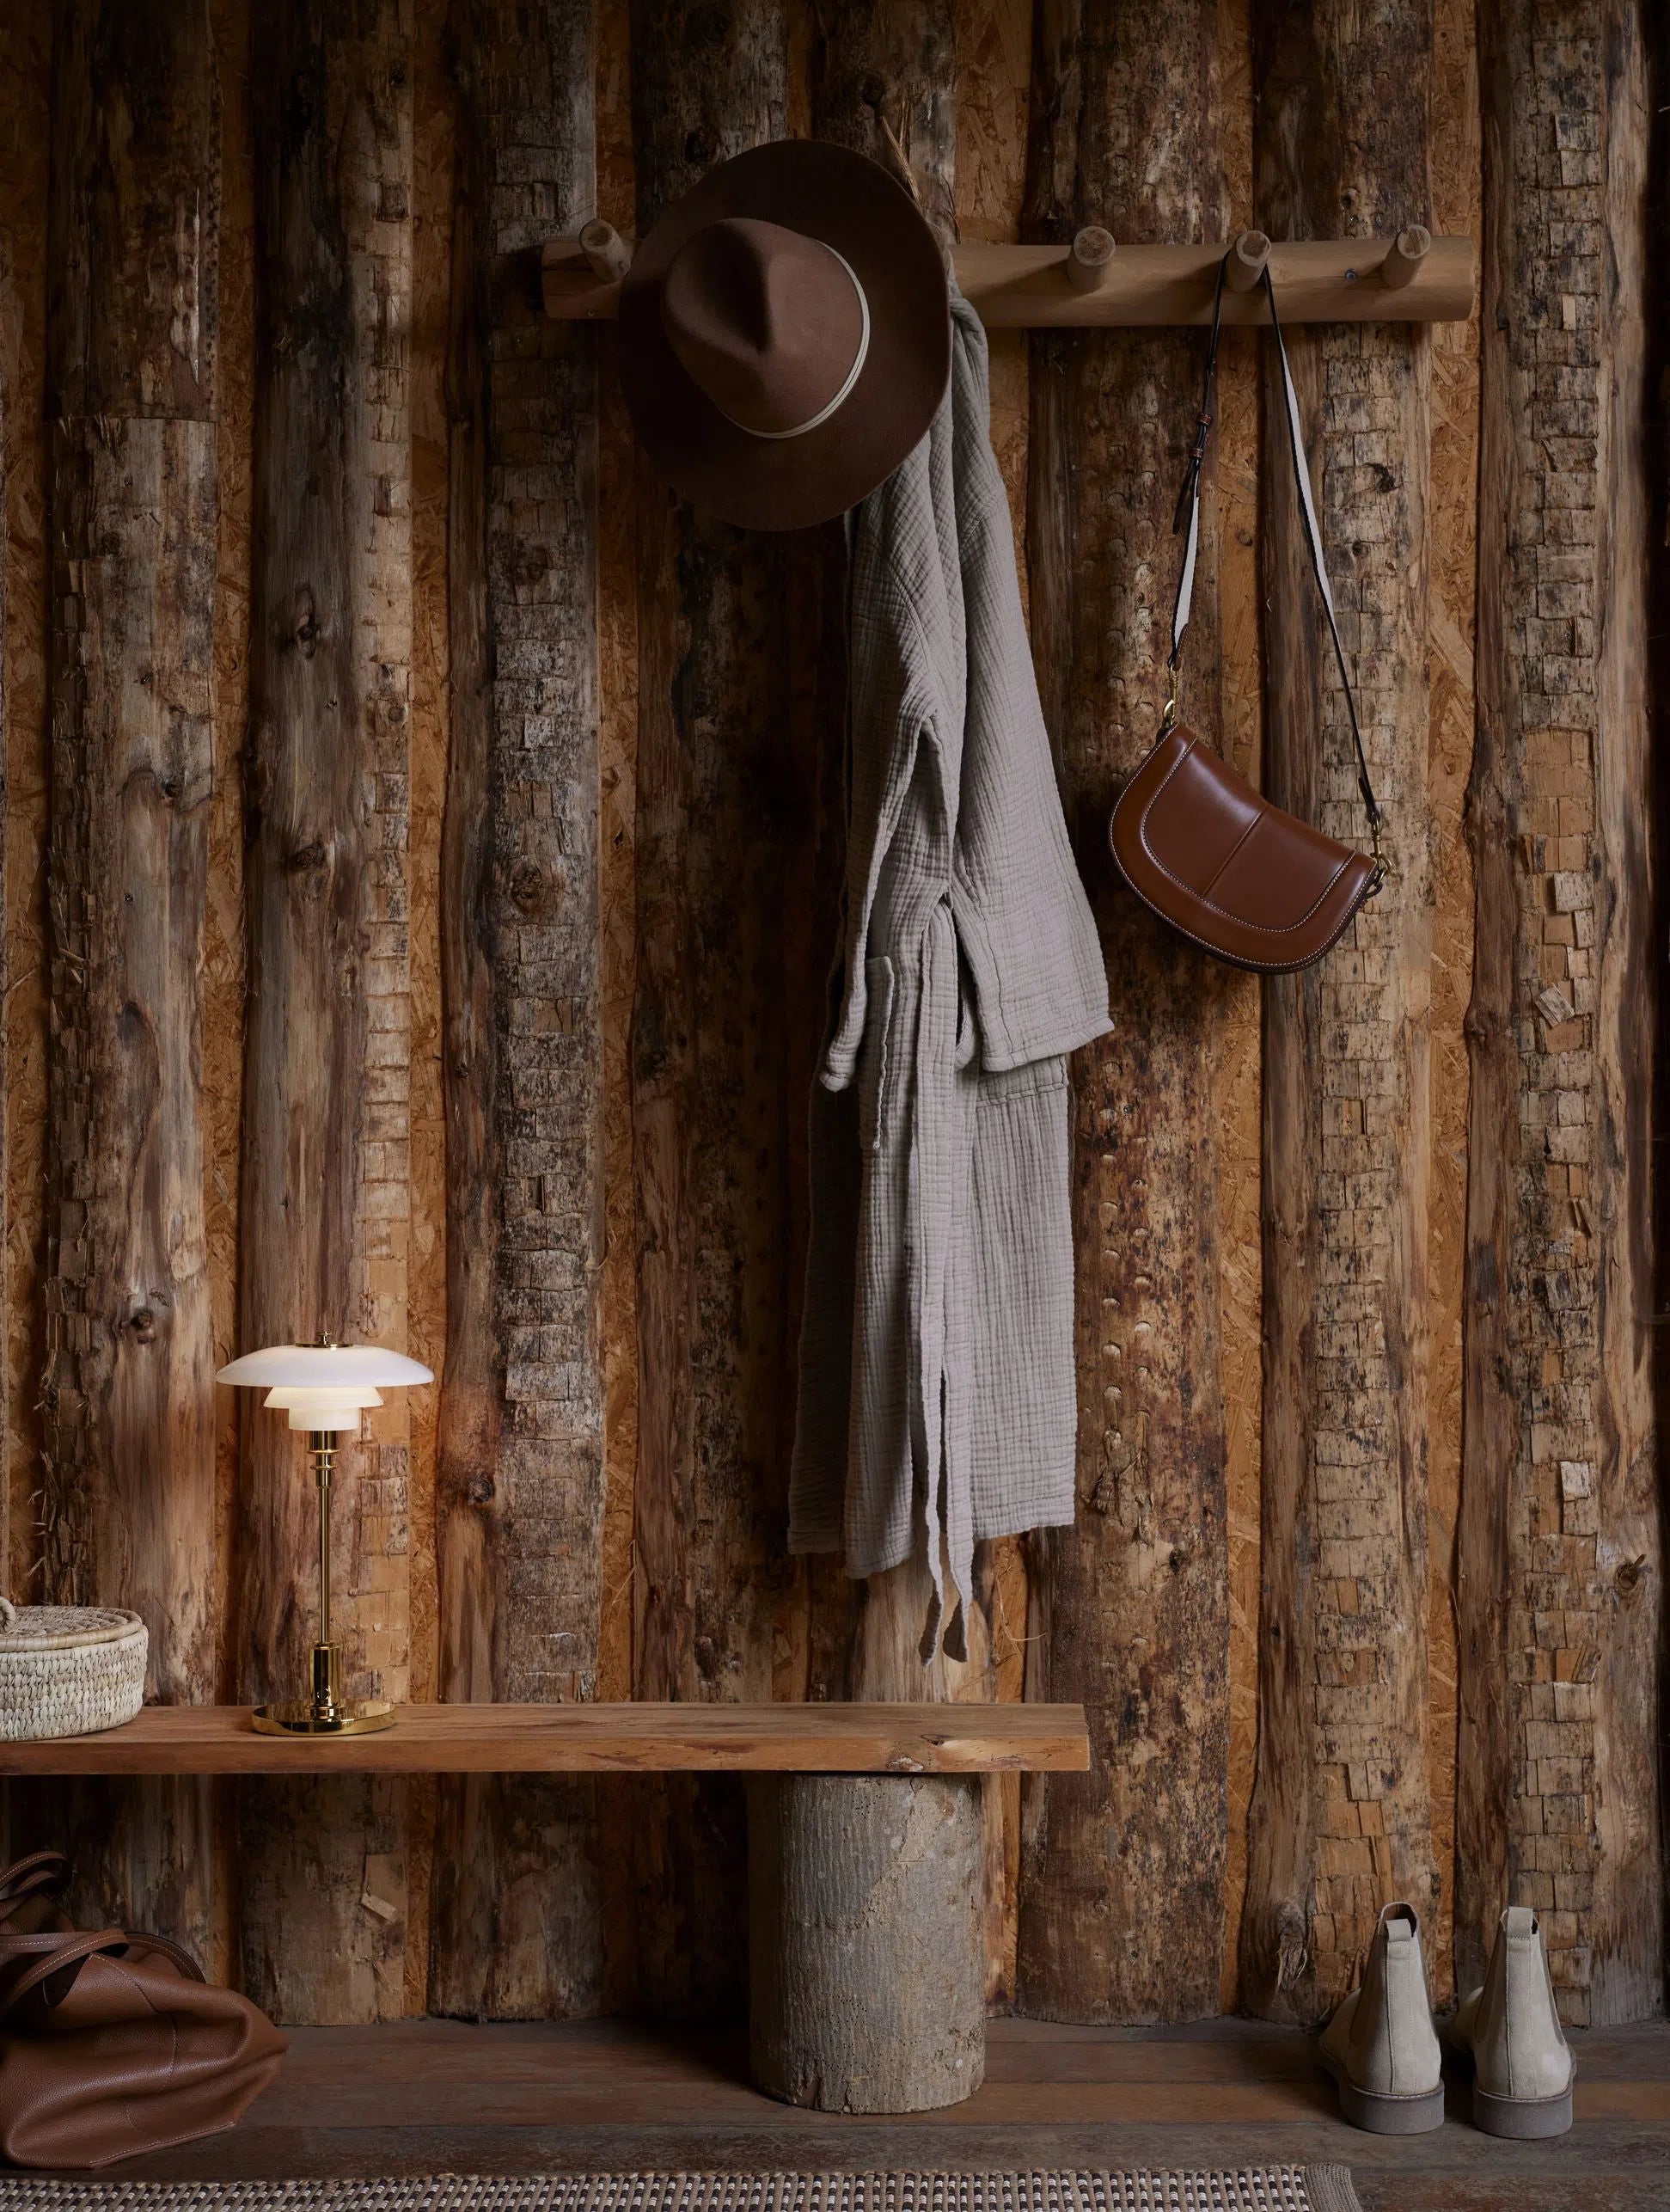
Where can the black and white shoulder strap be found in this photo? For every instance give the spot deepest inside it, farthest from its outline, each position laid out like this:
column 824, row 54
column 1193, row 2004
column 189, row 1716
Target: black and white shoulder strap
column 1187, row 519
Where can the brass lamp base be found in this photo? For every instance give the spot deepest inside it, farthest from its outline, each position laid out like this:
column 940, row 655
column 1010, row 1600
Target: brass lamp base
column 360, row 1716
column 326, row 1712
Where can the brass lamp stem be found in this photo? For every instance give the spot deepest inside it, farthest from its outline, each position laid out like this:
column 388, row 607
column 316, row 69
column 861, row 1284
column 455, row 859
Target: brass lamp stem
column 325, row 1712
column 321, row 1444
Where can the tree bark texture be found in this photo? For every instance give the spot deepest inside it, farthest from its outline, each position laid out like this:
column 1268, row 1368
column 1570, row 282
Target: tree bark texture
column 326, row 1201
column 1341, row 1818
column 1130, row 1607
column 867, row 1975
column 1560, row 1543
column 885, row 84
column 127, row 1498
column 725, row 820
column 515, row 1929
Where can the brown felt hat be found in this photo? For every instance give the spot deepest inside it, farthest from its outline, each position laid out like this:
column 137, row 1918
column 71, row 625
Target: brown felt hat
column 786, row 334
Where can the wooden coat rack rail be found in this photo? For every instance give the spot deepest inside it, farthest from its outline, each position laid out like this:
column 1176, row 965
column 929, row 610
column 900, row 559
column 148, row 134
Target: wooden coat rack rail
column 1096, row 282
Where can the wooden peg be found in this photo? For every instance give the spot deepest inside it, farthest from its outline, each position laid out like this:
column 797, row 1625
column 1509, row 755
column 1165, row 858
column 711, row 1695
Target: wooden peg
column 1404, row 255
column 606, row 249
column 1247, row 257
column 1090, row 261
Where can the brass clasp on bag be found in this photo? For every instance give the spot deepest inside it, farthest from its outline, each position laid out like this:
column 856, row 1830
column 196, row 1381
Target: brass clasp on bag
column 1168, row 719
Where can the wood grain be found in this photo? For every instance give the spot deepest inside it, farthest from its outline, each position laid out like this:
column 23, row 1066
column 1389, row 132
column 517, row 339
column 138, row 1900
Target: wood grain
column 725, row 824
column 1559, row 1590
column 1149, row 284
column 127, row 1493
column 516, row 1927
column 324, row 1213
column 885, row 84
column 422, row 2097
column 1130, row 1607
column 640, row 1738
column 866, row 1958
column 1341, row 1817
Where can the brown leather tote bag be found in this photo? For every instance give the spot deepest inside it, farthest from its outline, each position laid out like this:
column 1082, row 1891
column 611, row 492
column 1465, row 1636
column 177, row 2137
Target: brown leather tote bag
column 111, row 2044
column 1248, row 882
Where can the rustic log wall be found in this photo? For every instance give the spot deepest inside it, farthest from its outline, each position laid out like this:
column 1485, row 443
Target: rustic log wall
column 517, row 1928
column 128, row 1472
column 1130, row 1607
column 325, row 1198
column 724, row 799
column 1559, row 1555
column 1341, row 1814
column 475, row 963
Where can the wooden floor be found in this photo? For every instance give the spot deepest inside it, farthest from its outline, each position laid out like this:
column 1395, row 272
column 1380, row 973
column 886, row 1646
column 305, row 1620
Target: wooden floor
column 430, row 2096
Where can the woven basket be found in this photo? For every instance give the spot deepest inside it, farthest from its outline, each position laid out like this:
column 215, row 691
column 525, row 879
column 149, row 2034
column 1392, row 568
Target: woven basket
column 69, row 1669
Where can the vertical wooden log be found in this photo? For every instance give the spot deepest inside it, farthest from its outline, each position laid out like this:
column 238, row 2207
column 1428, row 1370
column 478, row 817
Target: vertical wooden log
column 128, row 1482
column 885, row 84
column 867, row 1980
column 7, row 1420
column 325, row 1199
column 723, row 827
column 1130, row 1607
column 1341, row 1818
column 1559, row 1548
column 515, row 1929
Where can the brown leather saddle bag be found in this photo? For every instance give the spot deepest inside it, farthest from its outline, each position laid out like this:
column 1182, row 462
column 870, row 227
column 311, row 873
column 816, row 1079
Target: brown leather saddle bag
column 1250, row 883
column 113, row 2044
column 1258, row 887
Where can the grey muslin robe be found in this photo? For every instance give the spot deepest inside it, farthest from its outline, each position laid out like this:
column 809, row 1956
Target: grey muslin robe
column 937, row 1397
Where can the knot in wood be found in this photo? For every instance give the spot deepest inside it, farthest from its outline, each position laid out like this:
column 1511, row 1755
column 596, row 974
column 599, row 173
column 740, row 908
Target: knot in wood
column 1627, row 1580
column 144, row 1326
column 707, row 26
column 302, row 860
column 304, row 630
column 700, row 147
column 480, row 1490
column 528, row 886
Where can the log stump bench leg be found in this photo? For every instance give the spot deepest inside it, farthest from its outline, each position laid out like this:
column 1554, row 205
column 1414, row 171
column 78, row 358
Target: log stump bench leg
column 867, row 1967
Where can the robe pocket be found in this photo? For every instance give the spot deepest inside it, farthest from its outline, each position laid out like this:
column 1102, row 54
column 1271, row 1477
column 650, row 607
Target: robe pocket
column 1001, row 1086
column 875, row 1065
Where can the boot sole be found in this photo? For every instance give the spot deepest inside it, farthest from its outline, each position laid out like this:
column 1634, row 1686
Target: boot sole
column 1388, row 2116
column 1525, row 2119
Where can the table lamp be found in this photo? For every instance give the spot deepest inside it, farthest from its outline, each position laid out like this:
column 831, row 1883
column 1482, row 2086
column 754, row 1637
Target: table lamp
column 324, row 1387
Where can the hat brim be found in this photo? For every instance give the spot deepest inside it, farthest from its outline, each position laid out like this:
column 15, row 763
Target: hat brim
column 851, row 203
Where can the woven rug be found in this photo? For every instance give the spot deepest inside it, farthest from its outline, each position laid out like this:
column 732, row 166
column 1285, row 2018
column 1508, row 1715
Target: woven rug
column 1252, row 2189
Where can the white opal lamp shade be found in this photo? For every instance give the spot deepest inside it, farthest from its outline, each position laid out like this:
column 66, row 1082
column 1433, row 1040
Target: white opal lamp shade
column 325, row 1367
column 334, row 1410
column 323, row 1389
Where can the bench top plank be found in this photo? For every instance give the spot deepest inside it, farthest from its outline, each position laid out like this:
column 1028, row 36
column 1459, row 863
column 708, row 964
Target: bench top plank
column 532, row 1739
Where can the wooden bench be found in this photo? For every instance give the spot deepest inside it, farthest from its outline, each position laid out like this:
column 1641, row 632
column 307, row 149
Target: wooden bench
column 867, row 1952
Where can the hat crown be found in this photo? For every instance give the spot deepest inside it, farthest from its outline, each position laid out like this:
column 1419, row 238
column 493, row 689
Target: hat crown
column 769, row 321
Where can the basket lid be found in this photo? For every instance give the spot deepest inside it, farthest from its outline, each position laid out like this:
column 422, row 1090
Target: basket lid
column 63, row 1627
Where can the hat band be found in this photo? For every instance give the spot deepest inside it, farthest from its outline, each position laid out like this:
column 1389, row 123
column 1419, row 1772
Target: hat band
column 815, row 422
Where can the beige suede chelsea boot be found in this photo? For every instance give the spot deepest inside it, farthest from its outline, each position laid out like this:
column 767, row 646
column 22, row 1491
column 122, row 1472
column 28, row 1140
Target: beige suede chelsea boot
column 1381, row 2046
column 1510, row 2029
